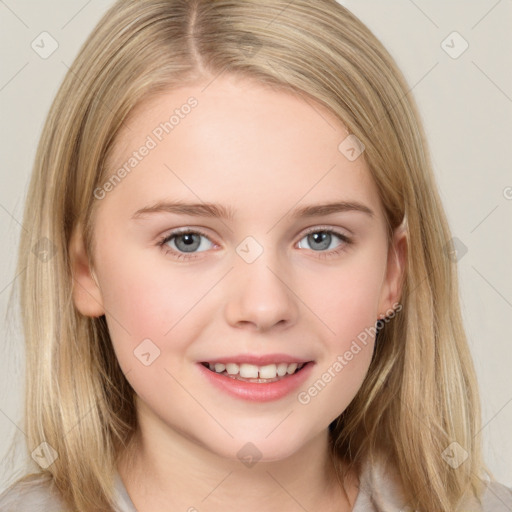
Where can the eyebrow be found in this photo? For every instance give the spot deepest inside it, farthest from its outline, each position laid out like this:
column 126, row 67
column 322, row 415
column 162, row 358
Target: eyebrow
column 219, row 211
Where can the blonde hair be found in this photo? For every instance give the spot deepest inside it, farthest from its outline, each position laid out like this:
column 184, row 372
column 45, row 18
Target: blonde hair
column 420, row 393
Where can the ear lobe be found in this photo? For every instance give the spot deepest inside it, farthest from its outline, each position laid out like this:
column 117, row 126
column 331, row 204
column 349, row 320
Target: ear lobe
column 395, row 272
column 86, row 291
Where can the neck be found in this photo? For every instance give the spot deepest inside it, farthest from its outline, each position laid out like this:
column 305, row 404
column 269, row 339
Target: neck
column 173, row 472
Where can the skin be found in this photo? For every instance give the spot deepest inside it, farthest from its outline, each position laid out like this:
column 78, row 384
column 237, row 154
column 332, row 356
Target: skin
column 262, row 153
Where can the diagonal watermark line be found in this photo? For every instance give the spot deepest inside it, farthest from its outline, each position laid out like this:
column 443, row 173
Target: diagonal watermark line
column 402, row 97
column 485, row 15
column 199, row 403
column 281, row 12
column 213, row 79
column 492, row 211
column 123, row 123
column 286, row 491
column 489, row 489
column 13, row 422
column 424, row 14
column 13, row 218
column 268, row 435
column 494, row 416
column 301, row 300
column 74, row 74
column 75, row 15
column 418, row 418
column 89, row 411
column 216, row 487
column 493, row 287
column 492, row 81
column 187, row 312
column 200, row 200
column 293, row 205
column 106, row 311
column 396, row 394
column 12, row 280
column 13, row 77
column 318, row 112
column 423, row 280
column 82, row 417
column 302, row 96
column 13, row 13
column 422, row 78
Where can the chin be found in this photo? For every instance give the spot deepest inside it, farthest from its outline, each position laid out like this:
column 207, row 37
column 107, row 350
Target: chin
column 257, row 446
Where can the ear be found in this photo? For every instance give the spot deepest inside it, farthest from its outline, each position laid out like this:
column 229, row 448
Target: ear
column 395, row 271
column 86, row 291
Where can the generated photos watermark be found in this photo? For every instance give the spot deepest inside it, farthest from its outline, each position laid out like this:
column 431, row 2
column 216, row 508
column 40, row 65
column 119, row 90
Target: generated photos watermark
column 156, row 136
column 342, row 360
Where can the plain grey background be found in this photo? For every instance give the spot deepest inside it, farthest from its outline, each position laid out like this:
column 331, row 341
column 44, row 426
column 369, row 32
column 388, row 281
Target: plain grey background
column 465, row 100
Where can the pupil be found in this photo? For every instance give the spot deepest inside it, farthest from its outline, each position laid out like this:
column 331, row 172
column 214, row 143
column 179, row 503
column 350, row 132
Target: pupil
column 188, row 242
column 322, row 239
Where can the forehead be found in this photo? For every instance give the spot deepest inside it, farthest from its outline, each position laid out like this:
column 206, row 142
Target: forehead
column 221, row 107
column 238, row 140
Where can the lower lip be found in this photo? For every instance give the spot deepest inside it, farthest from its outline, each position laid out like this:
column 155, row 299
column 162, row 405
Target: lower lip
column 258, row 391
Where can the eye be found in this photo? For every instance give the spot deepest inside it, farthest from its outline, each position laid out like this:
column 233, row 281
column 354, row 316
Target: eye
column 185, row 241
column 324, row 240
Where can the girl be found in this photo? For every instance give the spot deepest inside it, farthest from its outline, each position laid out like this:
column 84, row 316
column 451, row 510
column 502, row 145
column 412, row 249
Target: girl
column 244, row 298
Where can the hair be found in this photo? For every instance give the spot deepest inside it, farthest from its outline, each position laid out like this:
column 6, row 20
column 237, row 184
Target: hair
column 420, row 393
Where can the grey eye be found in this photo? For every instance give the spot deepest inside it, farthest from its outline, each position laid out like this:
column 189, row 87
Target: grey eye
column 188, row 242
column 320, row 240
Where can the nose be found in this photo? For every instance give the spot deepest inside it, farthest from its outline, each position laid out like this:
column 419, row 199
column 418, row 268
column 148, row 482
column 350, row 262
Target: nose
column 260, row 297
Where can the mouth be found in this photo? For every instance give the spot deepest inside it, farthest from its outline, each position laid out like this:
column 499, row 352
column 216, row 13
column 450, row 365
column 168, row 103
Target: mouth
column 265, row 374
column 256, row 377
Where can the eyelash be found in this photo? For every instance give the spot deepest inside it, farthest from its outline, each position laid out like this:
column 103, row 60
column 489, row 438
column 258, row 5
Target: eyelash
column 191, row 256
column 180, row 255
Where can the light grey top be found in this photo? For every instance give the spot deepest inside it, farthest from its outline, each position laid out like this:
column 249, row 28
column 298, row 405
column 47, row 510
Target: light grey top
column 379, row 491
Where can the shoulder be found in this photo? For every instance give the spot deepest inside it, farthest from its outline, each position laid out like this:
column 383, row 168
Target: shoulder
column 380, row 489
column 31, row 494
column 496, row 498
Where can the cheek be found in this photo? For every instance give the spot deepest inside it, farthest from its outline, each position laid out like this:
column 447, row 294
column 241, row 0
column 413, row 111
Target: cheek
column 348, row 300
column 146, row 302
column 348, row 308
column 146, row 321
column 348, row 351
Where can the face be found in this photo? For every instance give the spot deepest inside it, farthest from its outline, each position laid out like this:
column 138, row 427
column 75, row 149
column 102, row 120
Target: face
column 241, row 236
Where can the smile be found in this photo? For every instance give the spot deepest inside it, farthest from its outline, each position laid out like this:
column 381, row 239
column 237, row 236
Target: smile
column 256, row 383
column 254, row 373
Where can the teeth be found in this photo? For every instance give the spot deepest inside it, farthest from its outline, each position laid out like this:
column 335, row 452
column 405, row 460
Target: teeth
column 251, row 371
column 291, row 368
column 282, row 369
column 248, row 371
column 232, row 368
column 268, row 372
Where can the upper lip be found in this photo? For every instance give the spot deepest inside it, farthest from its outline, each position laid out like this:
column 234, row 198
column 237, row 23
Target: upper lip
column 258, row 360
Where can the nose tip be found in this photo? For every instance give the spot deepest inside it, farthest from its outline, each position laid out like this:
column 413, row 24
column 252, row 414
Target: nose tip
column 260, row 299
column 261, row 323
